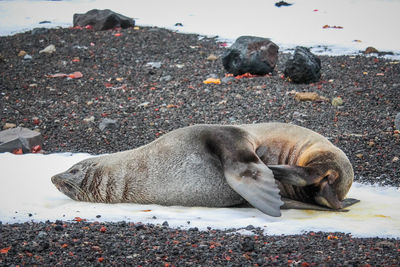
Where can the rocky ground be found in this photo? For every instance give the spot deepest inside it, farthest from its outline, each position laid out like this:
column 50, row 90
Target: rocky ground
column 150, row 81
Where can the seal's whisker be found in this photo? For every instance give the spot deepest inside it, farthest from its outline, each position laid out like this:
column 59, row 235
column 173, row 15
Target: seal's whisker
column 79, row 190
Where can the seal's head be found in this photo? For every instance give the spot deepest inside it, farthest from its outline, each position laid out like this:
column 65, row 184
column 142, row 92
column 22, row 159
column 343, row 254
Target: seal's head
column 323, row 175
column 71, row 181
column 332, row 175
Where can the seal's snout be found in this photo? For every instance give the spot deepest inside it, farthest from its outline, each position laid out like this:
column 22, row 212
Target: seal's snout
column 64, row 184
column 55, row 179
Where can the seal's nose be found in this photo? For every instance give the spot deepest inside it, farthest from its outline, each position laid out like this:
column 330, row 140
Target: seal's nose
column 55, row 179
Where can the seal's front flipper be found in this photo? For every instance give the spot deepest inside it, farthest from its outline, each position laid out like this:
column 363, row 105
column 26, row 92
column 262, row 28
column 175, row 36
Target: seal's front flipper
column 243, row 169
column 255, row 182
column 295, row 175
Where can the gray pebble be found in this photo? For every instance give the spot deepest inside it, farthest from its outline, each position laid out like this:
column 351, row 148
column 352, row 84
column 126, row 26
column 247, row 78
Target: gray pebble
column 397, row 121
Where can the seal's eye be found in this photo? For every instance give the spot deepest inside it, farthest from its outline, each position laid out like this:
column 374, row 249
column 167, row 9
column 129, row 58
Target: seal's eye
column 74, row 171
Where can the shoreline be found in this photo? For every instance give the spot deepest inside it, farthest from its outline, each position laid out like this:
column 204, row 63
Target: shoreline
column 147, row 102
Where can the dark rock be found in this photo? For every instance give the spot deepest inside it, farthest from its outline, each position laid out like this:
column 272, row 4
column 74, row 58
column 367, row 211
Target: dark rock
column 282, row 3
column 45, row 22
column 58, row 228
column 385, row 244
column 140, row 226
column 251, row 54
column 370, row 50
column 39, row 31
column 108, row 124
column 250, row 227
column 102, row 20
column 16, row 138
column 303, row 66
column 247, row 244
column 165, row 223
column 397, row 121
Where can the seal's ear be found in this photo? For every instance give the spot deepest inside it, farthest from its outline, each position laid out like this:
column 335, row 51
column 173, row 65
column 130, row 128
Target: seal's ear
column 254, row 182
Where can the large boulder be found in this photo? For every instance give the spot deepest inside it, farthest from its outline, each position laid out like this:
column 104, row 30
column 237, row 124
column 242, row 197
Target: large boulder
column 303, row 66
column 251, row 54
column 102, row 20
column 19, row 138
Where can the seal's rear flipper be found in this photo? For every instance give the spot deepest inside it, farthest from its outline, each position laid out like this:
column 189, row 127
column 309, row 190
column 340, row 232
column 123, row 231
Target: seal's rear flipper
column 349, row 202
column 295, row 175
column 294, row 204
column 255, row 182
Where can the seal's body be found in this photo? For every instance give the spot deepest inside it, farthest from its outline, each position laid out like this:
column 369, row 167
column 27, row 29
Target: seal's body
column 218, row 166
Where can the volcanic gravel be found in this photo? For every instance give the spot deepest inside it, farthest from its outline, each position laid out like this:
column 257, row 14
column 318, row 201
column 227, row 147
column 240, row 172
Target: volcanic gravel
column 150, row 81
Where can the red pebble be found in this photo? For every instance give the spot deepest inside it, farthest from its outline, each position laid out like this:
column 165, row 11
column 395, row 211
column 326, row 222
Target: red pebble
column 36, row 149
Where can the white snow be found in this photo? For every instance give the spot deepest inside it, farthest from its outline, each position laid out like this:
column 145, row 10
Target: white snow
column 373, row 22
column 26, row 189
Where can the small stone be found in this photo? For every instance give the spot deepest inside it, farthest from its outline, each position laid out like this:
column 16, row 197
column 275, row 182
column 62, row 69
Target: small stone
column 58, row 228
column 370, row 50
column 212, row 57
column 9, row 125
column 166, row 78
column 108, row 124
column 282, row 3
column 250, row 227
column 165, row 223
column 359, row 155
column 228, row 79
column 154, row 65
column 395, row 159
column 306, row 96
column 397, row 122
column 89, row 103
column 98, row 216
column 385, row 244
column 27, row 57
column 371, row 143
column 337, row 101
column 90, row 119
column 22, row 53
column 144, row 104
column 41, row 30
column 48, row 49
column 42, row 234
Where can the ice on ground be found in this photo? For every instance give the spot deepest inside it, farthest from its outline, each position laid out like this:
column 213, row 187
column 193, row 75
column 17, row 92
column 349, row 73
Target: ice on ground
column 27, row 194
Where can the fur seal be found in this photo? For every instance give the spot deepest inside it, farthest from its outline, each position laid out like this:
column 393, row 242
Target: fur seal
column 219, row 166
